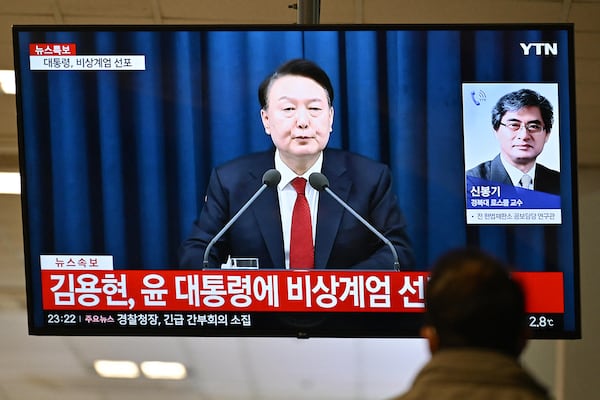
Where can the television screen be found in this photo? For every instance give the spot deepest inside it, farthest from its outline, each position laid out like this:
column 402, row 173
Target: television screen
column 127, row 135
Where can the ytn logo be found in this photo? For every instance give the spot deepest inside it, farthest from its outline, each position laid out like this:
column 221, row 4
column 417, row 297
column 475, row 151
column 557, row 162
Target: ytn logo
column 546, row 49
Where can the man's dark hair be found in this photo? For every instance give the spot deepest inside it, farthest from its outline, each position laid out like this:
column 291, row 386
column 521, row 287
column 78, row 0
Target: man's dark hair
column 472, row 301
column 298, row 67
column 514, row 101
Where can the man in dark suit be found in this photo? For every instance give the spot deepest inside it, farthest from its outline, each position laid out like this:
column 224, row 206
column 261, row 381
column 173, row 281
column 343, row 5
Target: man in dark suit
column 546, row 179
column 522, row 121
column 296, row 111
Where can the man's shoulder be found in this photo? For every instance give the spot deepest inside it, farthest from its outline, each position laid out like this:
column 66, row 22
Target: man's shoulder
column 350, row 158
column 547, row 171
column 248, row 161
column 482, row 170
column 547, row 180
column 247, row 168
column 492, row 374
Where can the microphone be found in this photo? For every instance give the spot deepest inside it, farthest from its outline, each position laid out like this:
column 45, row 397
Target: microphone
column 320, row 183
column 270, row 179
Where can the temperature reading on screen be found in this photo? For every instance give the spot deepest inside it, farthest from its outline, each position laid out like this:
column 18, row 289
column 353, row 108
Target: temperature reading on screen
column 541, row 321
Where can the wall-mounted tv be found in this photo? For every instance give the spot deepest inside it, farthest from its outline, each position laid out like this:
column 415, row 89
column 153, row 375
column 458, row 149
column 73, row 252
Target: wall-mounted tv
column 124, row 131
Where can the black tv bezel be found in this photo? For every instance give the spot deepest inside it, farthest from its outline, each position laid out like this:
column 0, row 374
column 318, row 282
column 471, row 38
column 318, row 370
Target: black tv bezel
column 387, row 325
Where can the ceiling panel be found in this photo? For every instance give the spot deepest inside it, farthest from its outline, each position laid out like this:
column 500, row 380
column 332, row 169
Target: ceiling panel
column 105, row 8
column 209, row 11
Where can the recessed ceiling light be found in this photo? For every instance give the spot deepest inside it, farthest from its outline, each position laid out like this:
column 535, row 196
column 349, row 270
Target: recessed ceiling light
column 163, row 370
column 10, row 183
column 116, row 369
column 7, row 81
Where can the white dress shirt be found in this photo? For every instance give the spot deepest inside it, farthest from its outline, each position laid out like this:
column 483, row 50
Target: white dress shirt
column 287, row 197
column 516, row 174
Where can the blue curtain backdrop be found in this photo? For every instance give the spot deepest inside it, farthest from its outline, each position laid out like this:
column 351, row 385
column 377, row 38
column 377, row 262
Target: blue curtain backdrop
column 116, row 162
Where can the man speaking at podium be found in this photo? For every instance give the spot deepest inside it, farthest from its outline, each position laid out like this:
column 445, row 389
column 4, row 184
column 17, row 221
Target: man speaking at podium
column 292, row 225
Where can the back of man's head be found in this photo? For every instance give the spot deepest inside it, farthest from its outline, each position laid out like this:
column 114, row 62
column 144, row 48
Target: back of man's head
column 472, row 301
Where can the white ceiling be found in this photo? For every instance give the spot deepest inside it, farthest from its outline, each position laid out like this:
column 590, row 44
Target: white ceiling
column 33, row 367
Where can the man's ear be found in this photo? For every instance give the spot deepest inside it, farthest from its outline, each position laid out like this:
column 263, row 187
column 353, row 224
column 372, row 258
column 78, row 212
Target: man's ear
column 429, row 333
column 265, row 120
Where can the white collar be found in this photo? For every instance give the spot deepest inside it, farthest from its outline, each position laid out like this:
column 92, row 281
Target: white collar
column 516, row 174
column 287, row 174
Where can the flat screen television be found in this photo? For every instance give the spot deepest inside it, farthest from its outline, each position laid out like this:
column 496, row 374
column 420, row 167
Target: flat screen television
column 120, row 128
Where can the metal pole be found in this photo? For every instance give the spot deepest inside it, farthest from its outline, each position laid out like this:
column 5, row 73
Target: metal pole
column 309, row 12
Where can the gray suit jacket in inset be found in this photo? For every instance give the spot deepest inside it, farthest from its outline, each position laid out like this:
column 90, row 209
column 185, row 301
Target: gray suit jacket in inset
column 545, row 180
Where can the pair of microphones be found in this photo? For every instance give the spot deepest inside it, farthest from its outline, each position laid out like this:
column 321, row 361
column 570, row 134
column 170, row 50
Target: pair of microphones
column 320, row 183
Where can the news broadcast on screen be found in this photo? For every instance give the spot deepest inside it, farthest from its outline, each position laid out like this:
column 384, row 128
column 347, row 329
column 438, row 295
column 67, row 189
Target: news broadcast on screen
column 155, row 174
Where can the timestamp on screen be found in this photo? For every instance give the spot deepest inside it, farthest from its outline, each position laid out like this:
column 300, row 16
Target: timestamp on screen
column 62, row 318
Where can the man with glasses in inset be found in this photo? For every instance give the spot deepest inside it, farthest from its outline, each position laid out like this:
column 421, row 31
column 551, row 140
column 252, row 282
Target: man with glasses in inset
column 522, row 121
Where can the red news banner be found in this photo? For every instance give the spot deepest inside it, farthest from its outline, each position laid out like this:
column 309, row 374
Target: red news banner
column 263, row 290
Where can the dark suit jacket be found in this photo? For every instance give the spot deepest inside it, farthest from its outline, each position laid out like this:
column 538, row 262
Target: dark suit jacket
column 545, row 180
column 341, row 240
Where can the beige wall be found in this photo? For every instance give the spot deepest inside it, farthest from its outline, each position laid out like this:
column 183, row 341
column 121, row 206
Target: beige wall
column 570, row 367
column 581, row 358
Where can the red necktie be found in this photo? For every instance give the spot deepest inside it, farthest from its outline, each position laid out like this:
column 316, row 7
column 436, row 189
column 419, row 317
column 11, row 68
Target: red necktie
column 302, row 253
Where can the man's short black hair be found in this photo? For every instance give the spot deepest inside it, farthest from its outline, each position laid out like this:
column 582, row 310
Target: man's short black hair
column 298, row 67
column 516, row 100
column 472, row 301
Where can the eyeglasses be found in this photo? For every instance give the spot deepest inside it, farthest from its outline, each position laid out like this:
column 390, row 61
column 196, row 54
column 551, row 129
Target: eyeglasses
column 531, row 127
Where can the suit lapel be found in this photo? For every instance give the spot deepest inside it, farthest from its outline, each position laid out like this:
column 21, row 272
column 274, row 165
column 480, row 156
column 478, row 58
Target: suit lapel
column 546, row 180
column 330, row 211
column 498, row 172
column 266, row 208
column 266, row 212
column 268, row 221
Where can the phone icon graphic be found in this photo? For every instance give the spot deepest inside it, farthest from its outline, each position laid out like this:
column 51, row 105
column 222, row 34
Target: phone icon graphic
column 474, row 98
